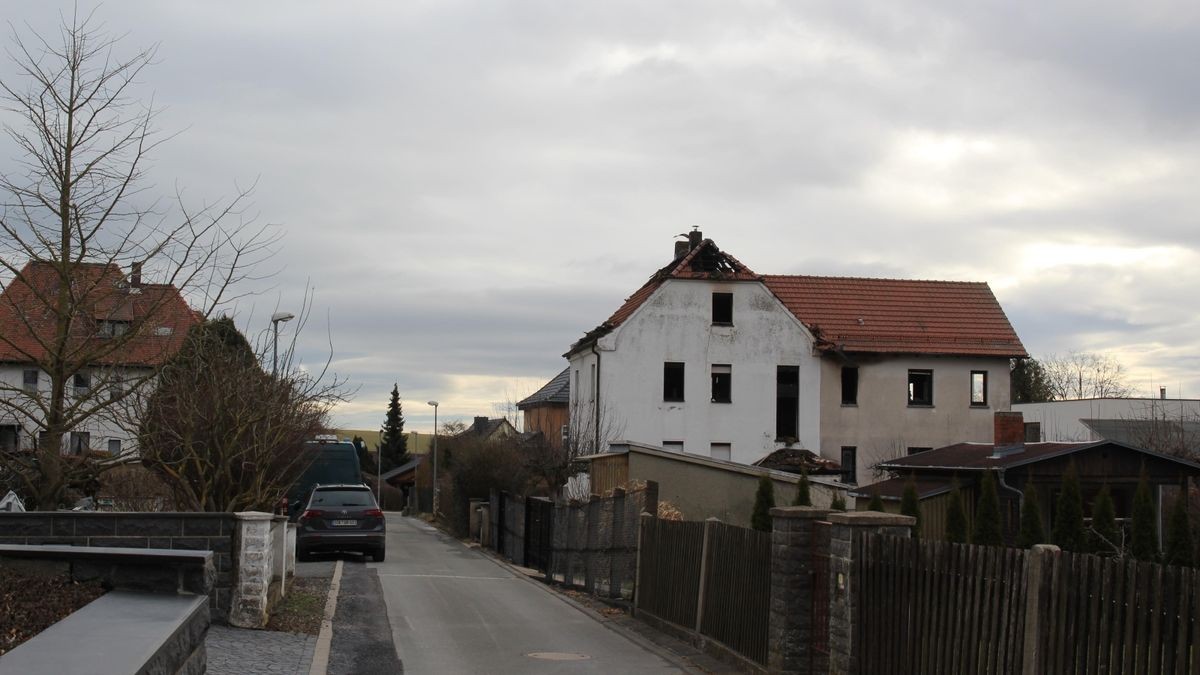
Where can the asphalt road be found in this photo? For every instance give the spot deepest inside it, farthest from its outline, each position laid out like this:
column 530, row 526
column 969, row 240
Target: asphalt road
column 453, row 610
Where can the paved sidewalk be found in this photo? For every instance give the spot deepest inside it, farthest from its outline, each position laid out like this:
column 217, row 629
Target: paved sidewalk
column 241, row 651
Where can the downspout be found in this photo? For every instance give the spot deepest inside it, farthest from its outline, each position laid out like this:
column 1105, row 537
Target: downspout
column 1020, row 495
column 596, row 406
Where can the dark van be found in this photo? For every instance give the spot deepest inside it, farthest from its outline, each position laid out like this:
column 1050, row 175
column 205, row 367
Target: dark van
column 335, row 462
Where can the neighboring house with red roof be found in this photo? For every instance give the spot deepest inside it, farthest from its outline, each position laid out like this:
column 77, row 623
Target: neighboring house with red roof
column 710, row 357
column 120, row 331
column 1021, row 467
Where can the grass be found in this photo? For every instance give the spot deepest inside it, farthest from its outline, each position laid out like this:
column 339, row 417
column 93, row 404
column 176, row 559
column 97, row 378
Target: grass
column 302, row 608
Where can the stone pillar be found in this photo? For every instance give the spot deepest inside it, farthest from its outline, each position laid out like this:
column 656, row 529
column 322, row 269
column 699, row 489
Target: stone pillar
column 844, row 616
column 279, row 545
column 790, row 628
column 252, row 574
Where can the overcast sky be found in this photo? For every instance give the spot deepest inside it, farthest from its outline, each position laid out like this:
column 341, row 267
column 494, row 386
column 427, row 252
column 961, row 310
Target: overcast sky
column 469, row 186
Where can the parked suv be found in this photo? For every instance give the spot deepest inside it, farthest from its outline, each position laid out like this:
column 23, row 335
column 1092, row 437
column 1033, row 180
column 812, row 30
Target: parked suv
column 340, row 518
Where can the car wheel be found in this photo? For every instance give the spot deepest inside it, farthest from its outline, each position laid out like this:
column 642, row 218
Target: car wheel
column 302, row 555
column 377, row 555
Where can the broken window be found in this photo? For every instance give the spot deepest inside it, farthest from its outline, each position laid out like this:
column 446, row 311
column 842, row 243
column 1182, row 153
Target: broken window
column 722, row 383
column 849, row 385
column 30, row 380
column 920, row 387
column 787, row 401
column 979, row 387
column 721, row 450
column 672, row 381
column 9, row 437
column 82, row 383
column 80, row 442
column 849, row 464
column 722, row 309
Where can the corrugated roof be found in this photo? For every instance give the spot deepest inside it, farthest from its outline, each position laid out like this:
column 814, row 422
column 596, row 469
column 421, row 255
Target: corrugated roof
column 557, row 390
column 854, row 314
column 27, row 319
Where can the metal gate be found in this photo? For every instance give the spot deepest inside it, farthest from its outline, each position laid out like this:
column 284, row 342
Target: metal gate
column 539, row 533
column 819, row 571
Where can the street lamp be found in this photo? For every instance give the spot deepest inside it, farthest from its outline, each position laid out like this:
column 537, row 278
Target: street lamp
column 276, row 319
column 435, row 483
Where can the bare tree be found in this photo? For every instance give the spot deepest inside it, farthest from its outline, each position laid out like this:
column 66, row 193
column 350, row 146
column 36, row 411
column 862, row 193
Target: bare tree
column 591, row 426
column 75, row 215
column 224, row 434
column 1080, row 375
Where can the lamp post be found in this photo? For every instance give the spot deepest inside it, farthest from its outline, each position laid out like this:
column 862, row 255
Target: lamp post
column 276, row 319
column 435, row 434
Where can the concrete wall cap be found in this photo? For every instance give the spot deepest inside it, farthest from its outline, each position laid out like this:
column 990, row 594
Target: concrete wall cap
column 254, row 515
column 811, row 512
column 866, row 518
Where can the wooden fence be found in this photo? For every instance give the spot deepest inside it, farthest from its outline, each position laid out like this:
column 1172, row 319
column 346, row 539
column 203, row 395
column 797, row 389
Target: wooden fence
column 934, row 607
column 710, row 579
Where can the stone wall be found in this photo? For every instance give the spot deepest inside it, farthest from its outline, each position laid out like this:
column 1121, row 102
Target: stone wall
column 178, row 531
column 595, row 543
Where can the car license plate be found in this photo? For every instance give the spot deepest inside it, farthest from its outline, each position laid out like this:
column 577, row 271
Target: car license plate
column 344, row 523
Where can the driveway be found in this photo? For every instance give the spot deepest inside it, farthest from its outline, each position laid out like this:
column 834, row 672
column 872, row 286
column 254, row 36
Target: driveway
column 454, row 610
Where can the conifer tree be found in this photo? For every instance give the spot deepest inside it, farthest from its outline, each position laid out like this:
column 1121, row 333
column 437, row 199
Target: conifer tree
column 956, row 517
column 1143, row 536
column 987, row 514
column 838, row 503
column 876, row 503
column 1069, row 533
column 393, row 444
column 1106, row 538
column 1179, row 533
column 1032, row 530
column 803, row 495
column 910, row 505
column 764, row 500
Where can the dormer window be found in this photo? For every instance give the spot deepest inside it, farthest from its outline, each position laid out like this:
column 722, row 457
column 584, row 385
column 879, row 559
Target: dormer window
column 109, row 328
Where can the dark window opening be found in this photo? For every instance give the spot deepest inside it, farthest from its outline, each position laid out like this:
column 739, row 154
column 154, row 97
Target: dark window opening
column 849, row 385
column 80, row 442
column 722, row 311
column 1033, row 432
column 979, row 388
column 109, row 328
column 722, row 383
column 672, row 381
column 787, row 401
column 849, row 464
column 114, row 446
column 920, row 387
column 9, row 437
column 913, row 451
column 82, row 382
column 30, row 380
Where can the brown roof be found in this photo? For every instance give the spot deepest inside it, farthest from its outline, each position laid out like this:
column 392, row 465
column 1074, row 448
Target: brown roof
column 158, row 312
column 980, row 456
column 893, row 488
column 899, row 316
column 853, row 314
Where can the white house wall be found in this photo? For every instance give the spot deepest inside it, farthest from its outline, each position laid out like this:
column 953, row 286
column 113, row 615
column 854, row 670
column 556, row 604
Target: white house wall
column 882, row 426
column 675, row 324
column 1061, row 420
column 103, row 427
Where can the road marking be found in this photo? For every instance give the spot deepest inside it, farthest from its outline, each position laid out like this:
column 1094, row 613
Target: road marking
column 444, row 576
column 320, row 662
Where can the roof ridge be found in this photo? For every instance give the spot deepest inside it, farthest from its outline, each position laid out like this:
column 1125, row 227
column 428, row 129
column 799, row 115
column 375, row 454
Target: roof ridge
column 857, row 278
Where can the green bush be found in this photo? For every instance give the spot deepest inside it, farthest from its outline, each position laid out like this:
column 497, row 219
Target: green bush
column 803, row 493
column 764, row 501
column 956, row 517
column 1179, row 533
column 1143, row 535
column 1105, row 536
column 987, row 514
column 910, row 505
column 1032, row 530
column 1069, row 533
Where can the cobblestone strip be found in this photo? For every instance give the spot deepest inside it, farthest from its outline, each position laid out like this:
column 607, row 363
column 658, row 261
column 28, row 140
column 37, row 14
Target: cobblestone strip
column 242, row 651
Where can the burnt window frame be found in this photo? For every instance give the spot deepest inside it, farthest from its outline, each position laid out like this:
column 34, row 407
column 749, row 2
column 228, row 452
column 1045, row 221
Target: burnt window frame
column 722, row 312
column 721, row 390
column 793, row 413
column 971, row 387
column 849, row 469
column 669, row 392
column 913, row 402
column 852, row 399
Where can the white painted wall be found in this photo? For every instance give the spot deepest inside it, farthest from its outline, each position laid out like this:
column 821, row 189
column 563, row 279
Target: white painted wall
column 102, row 427
column 675, row 324
column 1060, row 420
column 882, row 426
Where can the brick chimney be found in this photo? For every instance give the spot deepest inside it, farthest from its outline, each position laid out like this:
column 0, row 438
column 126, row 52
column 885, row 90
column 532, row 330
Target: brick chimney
column 480, row 423
column 694, row 239
column 1009, row 434
column 135, row 275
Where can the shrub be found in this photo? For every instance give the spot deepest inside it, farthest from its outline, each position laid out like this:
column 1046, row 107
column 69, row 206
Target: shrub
column 803, row 493
column 1032, row 530
column 1143, row 535
column 987, row 514
column 956, row 517
column 838, row 503
column 478, row 468
column 910, row 505
column 1105, row 536
column 876, row 503
column 1069, row 533
column 1179, row 533
column 764, row 500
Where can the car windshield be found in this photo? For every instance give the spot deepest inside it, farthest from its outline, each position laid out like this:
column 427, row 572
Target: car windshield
column 342, row 498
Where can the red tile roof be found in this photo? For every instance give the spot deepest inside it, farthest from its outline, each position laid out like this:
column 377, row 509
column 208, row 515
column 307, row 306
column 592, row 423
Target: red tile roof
column 899, row 316
column 27, row 321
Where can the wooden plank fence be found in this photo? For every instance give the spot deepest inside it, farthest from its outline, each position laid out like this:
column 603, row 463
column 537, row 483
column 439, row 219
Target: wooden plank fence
column 933, row 607
column 669, row 570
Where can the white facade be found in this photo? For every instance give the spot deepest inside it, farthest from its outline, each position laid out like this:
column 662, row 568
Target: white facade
column 881, row 424
column 675, row 325
column 108, row 431
column 1062, row 421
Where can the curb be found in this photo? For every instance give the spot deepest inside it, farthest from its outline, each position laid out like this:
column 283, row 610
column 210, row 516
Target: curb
column 320, row 662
